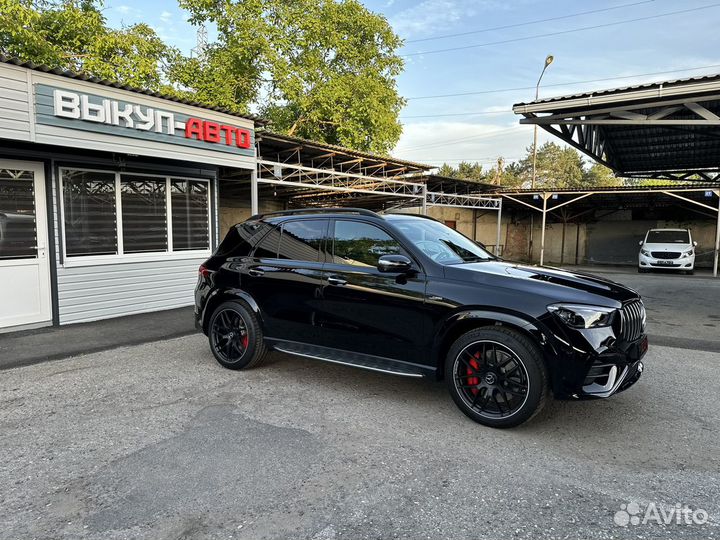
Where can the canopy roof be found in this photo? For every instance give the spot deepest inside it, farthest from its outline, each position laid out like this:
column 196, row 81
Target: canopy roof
column 668, row 130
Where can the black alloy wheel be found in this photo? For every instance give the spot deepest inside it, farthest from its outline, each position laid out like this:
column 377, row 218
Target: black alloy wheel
column 491, row 379
column 235, row 336
column 496, row 376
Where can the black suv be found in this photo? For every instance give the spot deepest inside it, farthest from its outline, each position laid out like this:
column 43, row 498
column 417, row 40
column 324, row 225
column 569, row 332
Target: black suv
column 405, row 294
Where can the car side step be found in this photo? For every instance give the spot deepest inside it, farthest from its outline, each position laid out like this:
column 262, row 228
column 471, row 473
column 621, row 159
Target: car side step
column 365, row 361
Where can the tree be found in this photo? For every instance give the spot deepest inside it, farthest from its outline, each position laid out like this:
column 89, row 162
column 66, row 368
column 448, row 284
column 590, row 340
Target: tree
column 509, row 176
column 600, row 176
column 556, row 167
column 319, row 69
column 464, row 170
column 72, row 34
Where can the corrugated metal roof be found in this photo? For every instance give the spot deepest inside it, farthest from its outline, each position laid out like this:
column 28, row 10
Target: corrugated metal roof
column 85, row 77
column 610, row 189
column 333, row 147
column 620, row 90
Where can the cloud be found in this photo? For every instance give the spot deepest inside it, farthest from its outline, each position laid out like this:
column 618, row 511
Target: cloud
column 437, row 142
column 428, row 17
column 123, row 9
column 165, row 16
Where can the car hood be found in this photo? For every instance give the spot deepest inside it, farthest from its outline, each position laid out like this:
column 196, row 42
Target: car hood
column 666, row 247
column 563, row 285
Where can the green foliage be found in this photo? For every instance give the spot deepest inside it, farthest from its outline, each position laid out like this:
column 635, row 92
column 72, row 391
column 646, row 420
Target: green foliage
column 319, row 69
column 72, row 34
column 464, row 170
column 600, row 176
column 556, row 167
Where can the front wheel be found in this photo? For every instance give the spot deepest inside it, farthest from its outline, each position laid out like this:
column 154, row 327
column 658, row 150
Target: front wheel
column 235, row 336
column 496, row 376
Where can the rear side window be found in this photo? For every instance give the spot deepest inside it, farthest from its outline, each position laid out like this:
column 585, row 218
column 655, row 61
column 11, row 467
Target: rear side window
column 267, row 247
column 303, row 240
column 240, row 239
column 362, row 244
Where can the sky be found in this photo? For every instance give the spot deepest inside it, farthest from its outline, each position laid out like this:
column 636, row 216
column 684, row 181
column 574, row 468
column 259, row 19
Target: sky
column 503, row 45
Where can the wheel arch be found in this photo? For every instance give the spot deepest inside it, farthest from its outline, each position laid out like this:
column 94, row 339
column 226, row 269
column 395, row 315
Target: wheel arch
column 465, row 321
column 223, row 295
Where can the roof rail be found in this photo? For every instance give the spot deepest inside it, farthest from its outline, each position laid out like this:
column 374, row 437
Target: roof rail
column 299, row 211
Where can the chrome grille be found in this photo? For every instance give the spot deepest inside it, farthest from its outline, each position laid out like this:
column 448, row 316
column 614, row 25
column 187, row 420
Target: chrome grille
column 632, row 320
column 666, row 254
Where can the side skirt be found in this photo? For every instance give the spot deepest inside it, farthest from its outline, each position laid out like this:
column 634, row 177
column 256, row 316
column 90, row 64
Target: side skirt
column 364, row 361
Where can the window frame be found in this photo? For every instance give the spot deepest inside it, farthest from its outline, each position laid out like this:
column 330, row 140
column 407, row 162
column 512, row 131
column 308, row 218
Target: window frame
column 121, row 256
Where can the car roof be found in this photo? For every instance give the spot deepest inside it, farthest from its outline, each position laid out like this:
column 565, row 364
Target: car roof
column 675, row 230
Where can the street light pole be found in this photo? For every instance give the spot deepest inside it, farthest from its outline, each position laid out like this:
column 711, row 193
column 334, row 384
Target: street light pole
column 548, row 60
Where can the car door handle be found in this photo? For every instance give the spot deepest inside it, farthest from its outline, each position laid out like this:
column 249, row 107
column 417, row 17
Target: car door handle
column 256, row 272
column 332, row 280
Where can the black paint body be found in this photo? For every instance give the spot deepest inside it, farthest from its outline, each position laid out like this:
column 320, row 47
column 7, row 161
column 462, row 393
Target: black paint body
column 414, row 317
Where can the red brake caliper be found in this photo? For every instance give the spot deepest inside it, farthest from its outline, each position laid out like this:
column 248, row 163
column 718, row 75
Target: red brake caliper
column 245, row 341
column 472, row 381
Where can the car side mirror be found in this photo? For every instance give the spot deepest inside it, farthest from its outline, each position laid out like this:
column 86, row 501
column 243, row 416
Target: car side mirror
column 394, row 263
column 641, row 242
column 695, row 243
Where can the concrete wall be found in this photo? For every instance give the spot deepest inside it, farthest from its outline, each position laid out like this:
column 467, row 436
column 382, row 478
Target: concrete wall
column 233, row 211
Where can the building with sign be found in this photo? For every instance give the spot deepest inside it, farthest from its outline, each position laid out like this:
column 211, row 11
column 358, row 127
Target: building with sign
column 108, row 196
column 111, row 197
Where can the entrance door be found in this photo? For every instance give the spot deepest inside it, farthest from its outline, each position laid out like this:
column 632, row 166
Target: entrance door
column 24, row 262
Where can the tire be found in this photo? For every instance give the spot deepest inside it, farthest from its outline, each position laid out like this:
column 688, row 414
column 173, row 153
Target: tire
column 496, row 376
column 690, row 272
column 235, row 336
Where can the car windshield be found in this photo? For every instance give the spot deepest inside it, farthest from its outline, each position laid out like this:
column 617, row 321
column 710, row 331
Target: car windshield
column 668, row 237
column 441, row 243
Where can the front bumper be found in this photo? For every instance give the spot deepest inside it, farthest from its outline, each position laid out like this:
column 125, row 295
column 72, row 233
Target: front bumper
column 594, row 363
column 686, row 262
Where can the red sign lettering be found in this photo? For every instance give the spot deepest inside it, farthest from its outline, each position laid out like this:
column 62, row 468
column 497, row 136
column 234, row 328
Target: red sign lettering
column 242, row 138
column 212, row 132
column 193, row 129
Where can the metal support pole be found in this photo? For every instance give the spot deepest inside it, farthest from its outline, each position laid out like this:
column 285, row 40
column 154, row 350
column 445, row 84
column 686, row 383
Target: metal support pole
column 254, row 206
column 717, row 238
column 424, row 200
column 499, row 228
column 542, row 233
column 534, row 160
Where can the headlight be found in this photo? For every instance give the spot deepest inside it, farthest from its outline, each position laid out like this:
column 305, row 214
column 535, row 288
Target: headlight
column 645, row 252
column 688, row 253
column 580, row 316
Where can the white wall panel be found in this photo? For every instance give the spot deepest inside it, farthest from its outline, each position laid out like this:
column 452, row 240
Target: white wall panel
column 14, row 103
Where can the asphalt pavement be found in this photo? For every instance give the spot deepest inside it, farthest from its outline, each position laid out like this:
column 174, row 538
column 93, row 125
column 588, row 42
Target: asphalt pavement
column 157, row 441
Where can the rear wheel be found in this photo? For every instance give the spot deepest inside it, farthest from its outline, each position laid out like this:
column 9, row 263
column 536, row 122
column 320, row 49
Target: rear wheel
column 496, row 376
column 235, row 336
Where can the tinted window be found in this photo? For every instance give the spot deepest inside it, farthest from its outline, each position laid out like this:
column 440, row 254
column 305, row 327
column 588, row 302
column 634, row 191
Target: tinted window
column 90, row 214
column 144, row 214
column 267, row 247
column 190, row 200
column 362, row 244
column 302, row 240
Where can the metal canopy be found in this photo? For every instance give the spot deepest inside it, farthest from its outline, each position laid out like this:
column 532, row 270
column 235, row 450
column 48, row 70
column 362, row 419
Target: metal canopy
column 668, row 130
column 308, row 173
column 702, row 198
